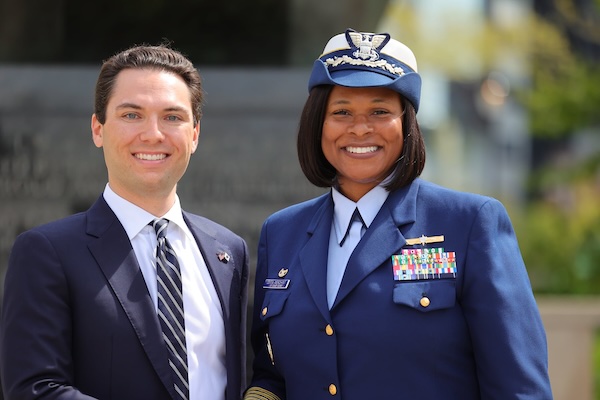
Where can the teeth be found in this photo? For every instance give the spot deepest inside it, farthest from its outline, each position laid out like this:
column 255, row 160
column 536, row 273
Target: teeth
column 361, row 150
column 150, row 157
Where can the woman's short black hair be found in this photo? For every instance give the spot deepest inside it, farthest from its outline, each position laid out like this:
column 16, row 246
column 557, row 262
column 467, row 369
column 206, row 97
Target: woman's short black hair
column 321, row 173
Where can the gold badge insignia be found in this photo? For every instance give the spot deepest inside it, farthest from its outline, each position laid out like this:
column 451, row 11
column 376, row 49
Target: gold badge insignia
column 423, row 240
column 282, row 272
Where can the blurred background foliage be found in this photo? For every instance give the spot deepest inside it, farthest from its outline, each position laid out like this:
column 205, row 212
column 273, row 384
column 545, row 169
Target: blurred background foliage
column 559, row 230
column 561, row 244
column 558, row 224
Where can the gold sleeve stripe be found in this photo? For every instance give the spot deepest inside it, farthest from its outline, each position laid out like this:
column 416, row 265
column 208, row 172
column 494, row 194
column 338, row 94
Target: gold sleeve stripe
column 258, row 393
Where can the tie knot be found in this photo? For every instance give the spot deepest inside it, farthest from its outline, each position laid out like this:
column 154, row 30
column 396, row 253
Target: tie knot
column 160, row 227
column 356, row 217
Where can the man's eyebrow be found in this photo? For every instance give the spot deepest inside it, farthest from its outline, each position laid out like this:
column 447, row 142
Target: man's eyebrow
column 138, row 107
column 176, row 108
column 129, row 105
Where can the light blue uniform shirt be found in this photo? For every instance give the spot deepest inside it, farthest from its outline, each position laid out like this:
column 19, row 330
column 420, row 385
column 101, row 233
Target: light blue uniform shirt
column 343, row 210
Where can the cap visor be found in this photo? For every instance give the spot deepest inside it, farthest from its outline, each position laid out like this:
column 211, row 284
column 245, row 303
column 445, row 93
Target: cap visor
column 354, row 78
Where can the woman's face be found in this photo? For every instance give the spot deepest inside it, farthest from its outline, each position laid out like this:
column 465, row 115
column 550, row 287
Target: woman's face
column 362, row 136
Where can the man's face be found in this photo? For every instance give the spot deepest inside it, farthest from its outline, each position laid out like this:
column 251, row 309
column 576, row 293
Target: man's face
column 148, row 136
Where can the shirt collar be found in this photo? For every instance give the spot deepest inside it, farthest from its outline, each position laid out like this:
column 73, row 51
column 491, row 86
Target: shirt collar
column 134, row 218
column 368, row 206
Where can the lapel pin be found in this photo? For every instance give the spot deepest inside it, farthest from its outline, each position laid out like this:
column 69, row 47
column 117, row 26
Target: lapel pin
column 282, row 272
column 423, row 240
column 223, row 257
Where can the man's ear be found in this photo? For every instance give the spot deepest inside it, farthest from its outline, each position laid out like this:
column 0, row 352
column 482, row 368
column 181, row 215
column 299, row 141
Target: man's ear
column 97, row 129
column 196, row 137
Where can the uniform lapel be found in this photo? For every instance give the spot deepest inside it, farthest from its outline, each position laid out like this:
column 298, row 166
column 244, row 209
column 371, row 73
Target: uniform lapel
column 116, row 258
column 313, row 256
column 381, row 240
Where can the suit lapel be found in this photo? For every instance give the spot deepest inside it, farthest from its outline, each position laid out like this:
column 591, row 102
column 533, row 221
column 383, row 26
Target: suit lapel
column 313, row 256
column 221, row 275
column 116, row 258
column 381, row 240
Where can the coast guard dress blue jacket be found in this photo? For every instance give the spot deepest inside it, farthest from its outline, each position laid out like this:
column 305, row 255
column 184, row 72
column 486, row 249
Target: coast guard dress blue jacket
column 475, row 334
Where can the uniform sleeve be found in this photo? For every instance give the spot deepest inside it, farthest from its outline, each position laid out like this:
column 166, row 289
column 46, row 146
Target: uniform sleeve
column 35, row 327
column 266, row 383
column 258, row 393
column 506, row 329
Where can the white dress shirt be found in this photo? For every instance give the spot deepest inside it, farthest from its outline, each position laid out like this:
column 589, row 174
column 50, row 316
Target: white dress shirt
column 204, row 326
column 340, row 252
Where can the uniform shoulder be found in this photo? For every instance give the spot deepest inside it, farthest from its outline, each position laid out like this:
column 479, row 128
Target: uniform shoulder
column 442, row 196
column 304, row 209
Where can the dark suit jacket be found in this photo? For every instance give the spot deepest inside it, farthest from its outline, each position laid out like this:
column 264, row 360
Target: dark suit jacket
column 78, row 321
column 480, row 337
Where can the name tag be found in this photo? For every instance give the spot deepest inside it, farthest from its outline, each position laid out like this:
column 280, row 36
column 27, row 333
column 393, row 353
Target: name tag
column 276, row 284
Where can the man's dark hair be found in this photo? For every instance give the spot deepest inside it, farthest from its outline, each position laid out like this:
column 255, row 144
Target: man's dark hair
column 160, row 57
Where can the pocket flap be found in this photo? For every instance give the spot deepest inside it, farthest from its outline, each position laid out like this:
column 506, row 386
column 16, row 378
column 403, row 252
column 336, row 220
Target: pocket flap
column 427, row 295
column 273, row 304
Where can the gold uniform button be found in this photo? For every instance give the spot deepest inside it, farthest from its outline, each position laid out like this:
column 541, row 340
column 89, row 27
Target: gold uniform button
column 264, row 311
column 329, row 330
column 424, row 302
column 332, row 389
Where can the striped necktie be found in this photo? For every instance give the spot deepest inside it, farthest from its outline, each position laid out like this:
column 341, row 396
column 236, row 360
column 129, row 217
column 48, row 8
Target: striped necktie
column 170, row 307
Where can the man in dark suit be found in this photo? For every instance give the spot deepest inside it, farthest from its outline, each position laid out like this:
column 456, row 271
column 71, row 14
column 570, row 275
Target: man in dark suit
column 101, row 305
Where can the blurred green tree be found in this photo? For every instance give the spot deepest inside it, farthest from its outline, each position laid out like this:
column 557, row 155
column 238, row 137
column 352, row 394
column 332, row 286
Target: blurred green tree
column 559, row 87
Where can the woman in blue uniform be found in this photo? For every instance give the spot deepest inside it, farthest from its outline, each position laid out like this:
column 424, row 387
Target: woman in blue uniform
column 388, row 286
